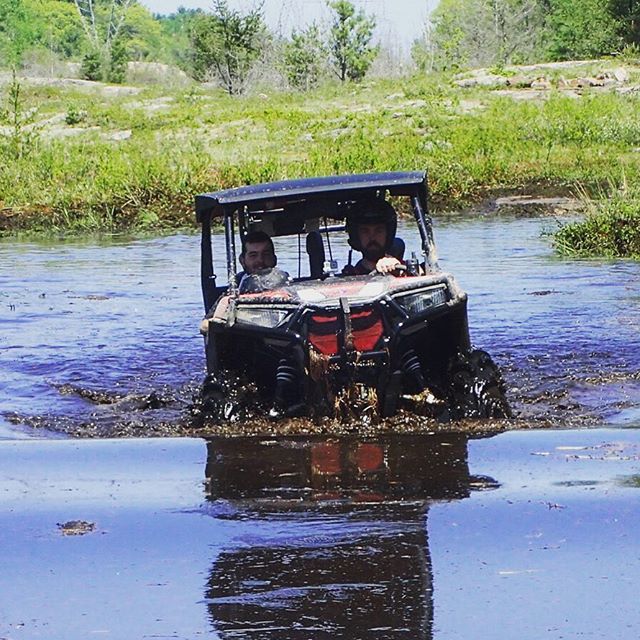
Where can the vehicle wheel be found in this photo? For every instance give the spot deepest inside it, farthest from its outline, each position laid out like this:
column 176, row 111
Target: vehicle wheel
column 214, row 404
column 389, row 395
column 476, row 387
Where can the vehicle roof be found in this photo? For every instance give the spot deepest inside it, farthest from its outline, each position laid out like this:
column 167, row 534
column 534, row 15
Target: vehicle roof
column 276, row 195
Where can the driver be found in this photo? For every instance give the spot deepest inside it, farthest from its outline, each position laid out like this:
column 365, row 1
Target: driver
column 372, row 228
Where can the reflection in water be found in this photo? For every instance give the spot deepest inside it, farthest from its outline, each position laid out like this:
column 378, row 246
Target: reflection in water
column 339, row 541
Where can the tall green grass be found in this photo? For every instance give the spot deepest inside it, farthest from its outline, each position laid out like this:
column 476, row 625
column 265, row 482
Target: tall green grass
column 197, row 140
column 610, row 229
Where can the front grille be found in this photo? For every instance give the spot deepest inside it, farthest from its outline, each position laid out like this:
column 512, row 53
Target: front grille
column 326, row 330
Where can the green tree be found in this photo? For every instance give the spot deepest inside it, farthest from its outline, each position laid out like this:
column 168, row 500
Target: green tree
column 304, row 57
column 117, row 66
column 175, row 29
column 91, row 67
column 57, row 27
column 581, row 29
column 225, row 44
column 143, row 35
column 350, row 40
column 627, row 15
column 486, row 32
column 21, row 133
column 450, row 34
column 103, row 21
column 16, row 31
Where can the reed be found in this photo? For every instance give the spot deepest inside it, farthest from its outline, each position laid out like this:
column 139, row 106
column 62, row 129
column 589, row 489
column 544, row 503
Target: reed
column 610, row 228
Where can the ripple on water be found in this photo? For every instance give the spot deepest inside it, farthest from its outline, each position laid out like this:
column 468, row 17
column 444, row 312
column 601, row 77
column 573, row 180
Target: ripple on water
column 122, row 317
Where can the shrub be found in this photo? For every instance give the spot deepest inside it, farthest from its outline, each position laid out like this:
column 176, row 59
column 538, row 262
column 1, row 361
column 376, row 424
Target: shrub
column 611, row 228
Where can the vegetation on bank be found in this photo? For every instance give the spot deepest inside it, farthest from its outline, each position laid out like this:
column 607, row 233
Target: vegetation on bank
column 610, row 229
column 222, row 42
column 325, row 98
column 83, row 157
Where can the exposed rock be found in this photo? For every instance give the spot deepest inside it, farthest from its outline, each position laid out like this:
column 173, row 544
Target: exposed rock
column 470, row 106
column 522, row 79
column 565, row 64
column 118, row 135
column 589, row 82
column 564, row 83
column 76, row 83
column 539, row 205
column 155, row 104
column 156, row 72
column 541, row 83
column 518, row 81
column 634, row 88
column 621, row 75
column 76, row 527
column 482, row 79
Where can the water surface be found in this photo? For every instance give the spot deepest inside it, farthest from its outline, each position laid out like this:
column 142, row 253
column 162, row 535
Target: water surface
column 524, row 535
column 101, row 338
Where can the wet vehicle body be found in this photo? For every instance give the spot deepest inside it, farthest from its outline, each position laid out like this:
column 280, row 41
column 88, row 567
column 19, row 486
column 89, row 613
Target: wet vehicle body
column 327, row 338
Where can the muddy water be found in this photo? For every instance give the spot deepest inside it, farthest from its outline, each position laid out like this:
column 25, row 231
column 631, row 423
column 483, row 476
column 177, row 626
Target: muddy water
column 525, row 535
column 100, row 338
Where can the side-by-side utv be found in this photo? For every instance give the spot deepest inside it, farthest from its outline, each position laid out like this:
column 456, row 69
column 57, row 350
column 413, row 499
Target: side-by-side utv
column 306, row 341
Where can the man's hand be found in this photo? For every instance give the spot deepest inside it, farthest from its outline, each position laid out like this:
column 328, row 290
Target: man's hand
column 388, row 264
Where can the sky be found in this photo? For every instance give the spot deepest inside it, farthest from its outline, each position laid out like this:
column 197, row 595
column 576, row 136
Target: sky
column 398, row 21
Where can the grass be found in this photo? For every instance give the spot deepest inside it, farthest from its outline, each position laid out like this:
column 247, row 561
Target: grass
column 135, row 161
column 610, row 229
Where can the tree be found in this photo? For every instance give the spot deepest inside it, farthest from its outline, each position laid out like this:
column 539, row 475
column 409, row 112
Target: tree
column 102, row 21
column 581, row 29
column 225, row 45
column 486, row 32
column 304, row 57
column 57, row 27
column 91, row 67
column 450, row 34
column 499, row 32
column 16, row 31
column 117, row 69
column 350, row 40
column 627, row 14
column 143, row 35
column 176, row 29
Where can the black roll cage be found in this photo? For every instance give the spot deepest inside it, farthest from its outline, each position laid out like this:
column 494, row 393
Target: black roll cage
column 287, row 206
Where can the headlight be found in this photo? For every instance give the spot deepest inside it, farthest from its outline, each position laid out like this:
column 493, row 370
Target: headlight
column 418, row 302
column 261, row 317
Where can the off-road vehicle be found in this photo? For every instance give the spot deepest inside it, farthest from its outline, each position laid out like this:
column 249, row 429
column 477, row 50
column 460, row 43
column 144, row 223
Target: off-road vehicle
column 315, row 341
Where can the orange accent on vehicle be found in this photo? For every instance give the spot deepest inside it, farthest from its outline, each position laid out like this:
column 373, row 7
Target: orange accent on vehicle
column 367, row 329
column 323, row 333
column 325, row 458
column 369, row 457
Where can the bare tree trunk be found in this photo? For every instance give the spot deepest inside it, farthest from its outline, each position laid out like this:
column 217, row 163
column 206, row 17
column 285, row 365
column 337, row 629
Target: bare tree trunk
column 117, row 15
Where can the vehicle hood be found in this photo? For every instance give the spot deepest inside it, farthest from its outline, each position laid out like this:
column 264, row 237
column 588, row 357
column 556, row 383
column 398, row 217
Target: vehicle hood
column 356, row 289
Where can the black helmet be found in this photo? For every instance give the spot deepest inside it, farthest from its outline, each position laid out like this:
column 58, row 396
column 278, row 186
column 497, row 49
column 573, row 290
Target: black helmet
column 373, row 211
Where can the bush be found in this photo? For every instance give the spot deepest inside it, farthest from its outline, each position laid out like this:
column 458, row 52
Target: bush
column 611, row 228
column 91, row 68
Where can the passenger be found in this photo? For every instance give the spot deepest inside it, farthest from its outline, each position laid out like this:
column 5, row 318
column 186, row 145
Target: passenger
column 372, row 229
column 258, row 253
column 258, row 258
